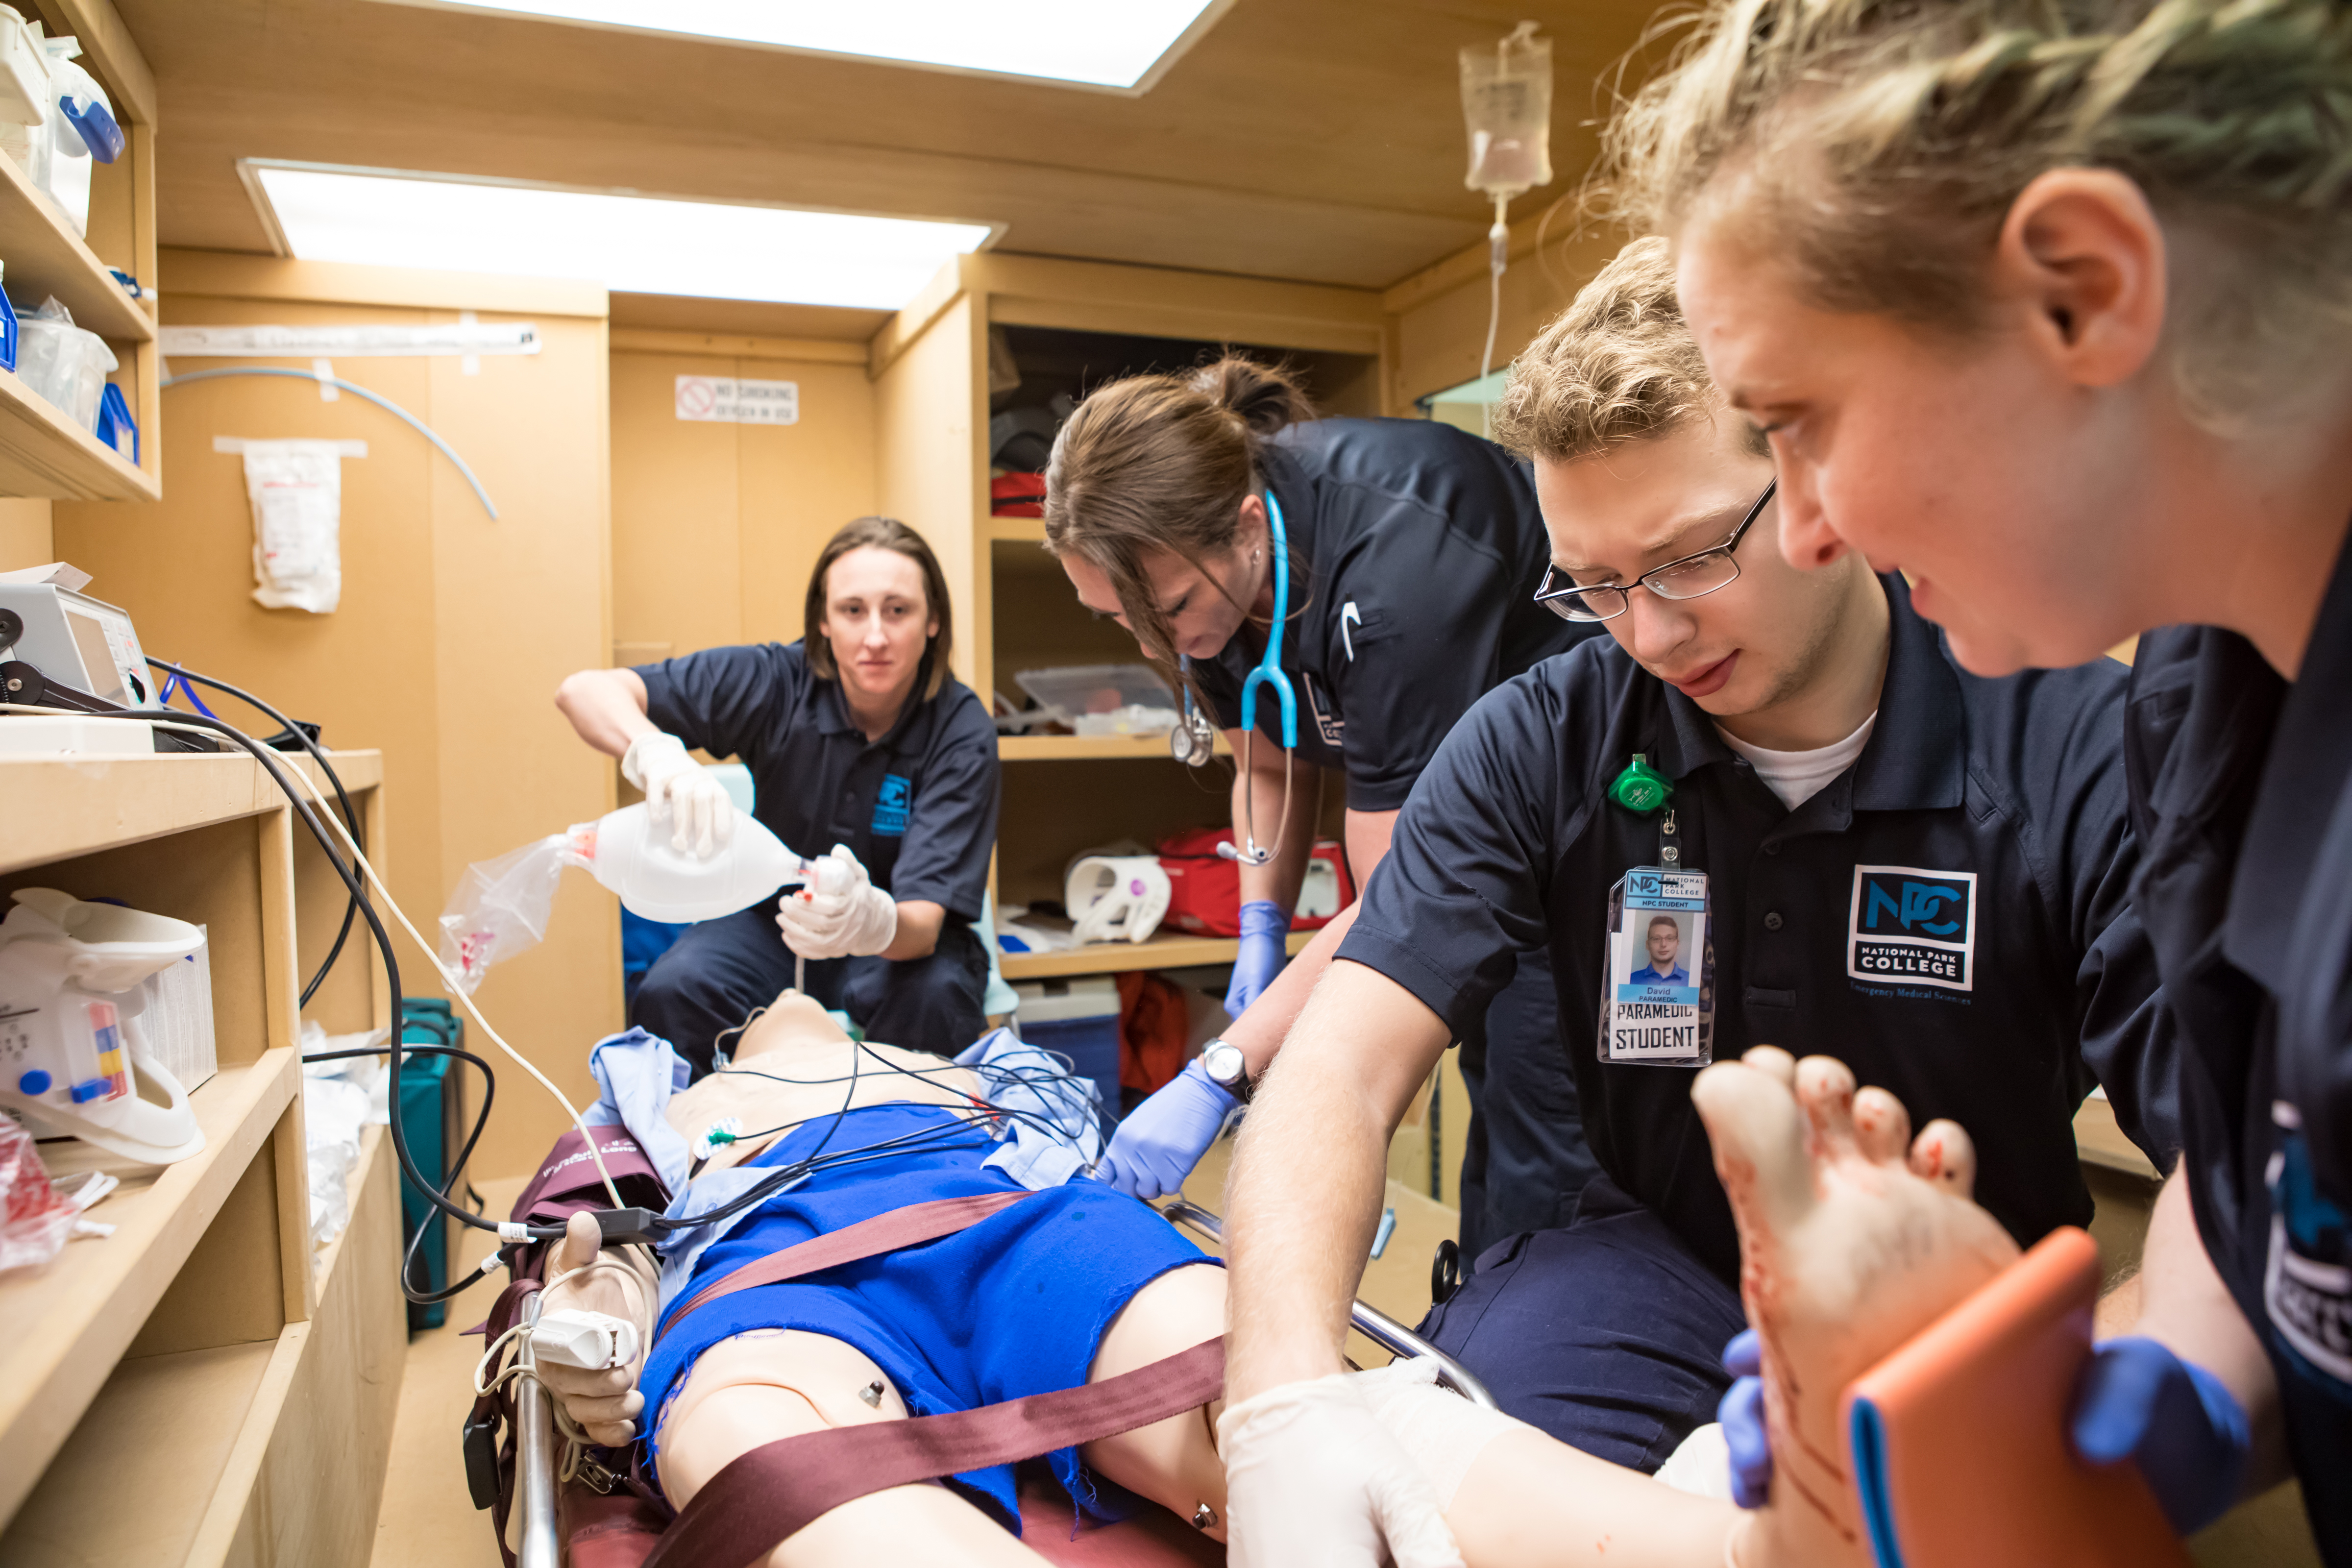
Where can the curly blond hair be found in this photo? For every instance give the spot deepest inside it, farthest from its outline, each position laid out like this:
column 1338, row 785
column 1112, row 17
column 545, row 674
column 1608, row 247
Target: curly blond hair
column 1618, row 365
column 1881, row 143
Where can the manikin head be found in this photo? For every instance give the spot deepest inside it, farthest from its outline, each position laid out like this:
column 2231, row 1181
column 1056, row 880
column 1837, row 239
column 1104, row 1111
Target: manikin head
column 877, row 608
column 2046, row 305
column 1637, row 464
column 1666, row 941
column 794, row 1021
column 1152, row 502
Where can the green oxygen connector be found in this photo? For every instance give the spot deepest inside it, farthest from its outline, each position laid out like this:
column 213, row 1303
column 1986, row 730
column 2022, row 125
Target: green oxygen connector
column 1640, row 788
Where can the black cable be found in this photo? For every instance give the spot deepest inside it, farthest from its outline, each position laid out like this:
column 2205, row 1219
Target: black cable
column 457, row 1167
column 396, row 1048
column 317, row 755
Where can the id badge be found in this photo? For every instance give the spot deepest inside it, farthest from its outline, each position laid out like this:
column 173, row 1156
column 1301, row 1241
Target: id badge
column 1658, row 976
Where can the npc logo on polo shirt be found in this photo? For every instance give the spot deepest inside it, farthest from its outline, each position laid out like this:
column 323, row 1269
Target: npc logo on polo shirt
column 1912, row 927
column 892, row 804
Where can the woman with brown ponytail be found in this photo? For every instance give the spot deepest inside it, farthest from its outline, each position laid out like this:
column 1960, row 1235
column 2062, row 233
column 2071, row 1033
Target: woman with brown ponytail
column 2049, row 305
column 1412, row 548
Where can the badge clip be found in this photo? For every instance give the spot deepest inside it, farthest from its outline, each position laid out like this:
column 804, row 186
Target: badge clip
column 1640, row 788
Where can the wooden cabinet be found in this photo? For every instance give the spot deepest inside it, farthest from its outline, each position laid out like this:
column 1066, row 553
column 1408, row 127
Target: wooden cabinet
column 42, row 451
column 1071, row 326
column 200, row 1388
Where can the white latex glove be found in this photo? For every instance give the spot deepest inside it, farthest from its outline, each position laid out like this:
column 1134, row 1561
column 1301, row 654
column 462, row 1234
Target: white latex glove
column 682, row 793
column 1314, row 1480
column 582, row 1277
column 839, row 914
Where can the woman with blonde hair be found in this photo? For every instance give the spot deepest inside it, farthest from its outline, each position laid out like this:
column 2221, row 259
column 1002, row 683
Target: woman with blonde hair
column 2050, row 307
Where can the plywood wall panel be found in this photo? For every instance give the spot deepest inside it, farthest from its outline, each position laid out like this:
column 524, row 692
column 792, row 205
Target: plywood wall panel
column 800, row 483
column 25, row 538
column 676, row 509
column 930, row 430
column 453, row 630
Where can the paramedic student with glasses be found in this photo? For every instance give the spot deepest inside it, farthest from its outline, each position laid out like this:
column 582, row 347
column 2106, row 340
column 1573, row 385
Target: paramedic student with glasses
column 863, row 749
column 1175, row 502
column 1916, row 870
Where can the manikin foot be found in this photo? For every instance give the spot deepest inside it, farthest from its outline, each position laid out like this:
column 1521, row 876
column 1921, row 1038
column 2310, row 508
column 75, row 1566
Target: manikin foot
column 1853, row 1237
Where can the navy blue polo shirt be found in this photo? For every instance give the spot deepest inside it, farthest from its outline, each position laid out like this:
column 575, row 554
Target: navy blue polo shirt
column 2242, row 789
column 917, row 807
column 1416, row 549
column 2002, row 801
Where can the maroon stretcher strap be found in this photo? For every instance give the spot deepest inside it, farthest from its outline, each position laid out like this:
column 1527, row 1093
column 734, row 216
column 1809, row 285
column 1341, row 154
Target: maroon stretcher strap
column 781, row 1488
column 908, row 1226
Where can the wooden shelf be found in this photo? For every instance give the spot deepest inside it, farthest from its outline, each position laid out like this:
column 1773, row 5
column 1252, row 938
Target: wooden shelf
column 2099, row 1141
column 1168, row 952
column 43, row 453
column 1013, row 530
column 1070, row 748
column 205, row 1438
column 46, row 256
column 61, row 807
column 63, row 1327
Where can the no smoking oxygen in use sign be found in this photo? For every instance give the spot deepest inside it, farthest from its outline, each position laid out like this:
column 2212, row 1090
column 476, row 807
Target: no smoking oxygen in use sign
column 726, row 400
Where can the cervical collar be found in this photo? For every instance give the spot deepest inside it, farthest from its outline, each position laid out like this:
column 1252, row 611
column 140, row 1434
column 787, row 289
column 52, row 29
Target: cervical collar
column 1113, row 895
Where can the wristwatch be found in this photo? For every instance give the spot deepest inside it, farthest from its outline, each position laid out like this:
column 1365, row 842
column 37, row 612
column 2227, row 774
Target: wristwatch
column 1221, row 1061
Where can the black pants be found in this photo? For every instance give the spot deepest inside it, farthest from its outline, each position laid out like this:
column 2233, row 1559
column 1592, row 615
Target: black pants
column 1524, row 1162
column 722, row 970
column 1607, row 1332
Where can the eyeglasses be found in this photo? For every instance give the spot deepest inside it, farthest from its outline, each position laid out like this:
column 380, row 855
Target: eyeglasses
column 1690, row 577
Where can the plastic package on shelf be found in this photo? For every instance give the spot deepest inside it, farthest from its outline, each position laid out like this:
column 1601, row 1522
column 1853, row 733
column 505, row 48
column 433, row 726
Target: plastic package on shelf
column 1075, row 691
column 62, row 362
column 81, row 131
column 36, row 1220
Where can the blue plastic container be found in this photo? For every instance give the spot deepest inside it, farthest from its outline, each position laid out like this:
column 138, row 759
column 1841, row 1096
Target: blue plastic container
column 429, row 1115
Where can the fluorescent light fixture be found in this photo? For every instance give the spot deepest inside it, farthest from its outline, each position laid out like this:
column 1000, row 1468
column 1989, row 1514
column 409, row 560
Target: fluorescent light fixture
column 647, row 244
column 1122, row 45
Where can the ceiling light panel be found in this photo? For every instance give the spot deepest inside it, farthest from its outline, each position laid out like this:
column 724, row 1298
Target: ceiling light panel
column 643, row 244
column 1120, row 45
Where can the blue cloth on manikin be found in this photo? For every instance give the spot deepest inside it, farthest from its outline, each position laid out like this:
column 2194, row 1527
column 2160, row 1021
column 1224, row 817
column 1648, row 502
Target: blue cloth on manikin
column 1607, row 1333
column 1015, row 1306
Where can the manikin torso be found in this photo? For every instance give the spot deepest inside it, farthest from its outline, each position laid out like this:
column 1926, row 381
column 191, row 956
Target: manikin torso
column 794, row 1063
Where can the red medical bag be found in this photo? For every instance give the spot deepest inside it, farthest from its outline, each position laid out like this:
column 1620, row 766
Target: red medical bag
column 1204, row 888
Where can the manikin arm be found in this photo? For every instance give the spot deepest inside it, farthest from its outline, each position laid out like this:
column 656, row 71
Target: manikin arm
column 618, row 1283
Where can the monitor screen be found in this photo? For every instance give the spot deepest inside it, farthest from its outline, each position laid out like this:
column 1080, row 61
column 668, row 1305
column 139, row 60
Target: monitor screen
column 97, row 658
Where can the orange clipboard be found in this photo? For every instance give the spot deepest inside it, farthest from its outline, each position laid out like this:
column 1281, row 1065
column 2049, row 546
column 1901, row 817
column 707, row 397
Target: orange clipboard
column 1957, row 1442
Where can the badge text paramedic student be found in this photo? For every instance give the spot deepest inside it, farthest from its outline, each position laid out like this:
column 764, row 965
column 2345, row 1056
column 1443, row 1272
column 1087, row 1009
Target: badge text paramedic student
column 1912, row 927
column 1658, row 1001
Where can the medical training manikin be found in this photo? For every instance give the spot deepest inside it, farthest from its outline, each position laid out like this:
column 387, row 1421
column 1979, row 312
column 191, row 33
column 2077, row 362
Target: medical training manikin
column 1068, row 1283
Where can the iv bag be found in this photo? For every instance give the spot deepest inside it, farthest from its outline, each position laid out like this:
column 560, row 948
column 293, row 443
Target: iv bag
column 1507, row 106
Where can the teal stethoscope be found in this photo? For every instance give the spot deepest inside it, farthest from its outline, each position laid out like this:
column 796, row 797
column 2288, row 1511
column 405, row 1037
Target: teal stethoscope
column 1194, row 738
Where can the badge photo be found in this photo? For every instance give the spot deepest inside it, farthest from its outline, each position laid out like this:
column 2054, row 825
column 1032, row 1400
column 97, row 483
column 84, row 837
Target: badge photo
column 1657, row 996
column 1910, row 926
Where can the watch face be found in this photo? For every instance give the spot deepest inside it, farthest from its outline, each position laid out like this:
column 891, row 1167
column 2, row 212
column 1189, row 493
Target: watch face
column 1223, row 1062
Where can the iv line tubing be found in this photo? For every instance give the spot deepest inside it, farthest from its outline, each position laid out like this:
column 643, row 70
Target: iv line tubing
column 386, row 403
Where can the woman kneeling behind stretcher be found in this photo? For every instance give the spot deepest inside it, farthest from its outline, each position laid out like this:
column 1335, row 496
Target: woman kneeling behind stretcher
column 1083, row 1283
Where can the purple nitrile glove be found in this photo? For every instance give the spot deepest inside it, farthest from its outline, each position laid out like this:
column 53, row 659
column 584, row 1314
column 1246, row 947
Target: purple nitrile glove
column 1263, row 926
column 2190, row 1435
column 1162, row 1139
column 1742, row 1414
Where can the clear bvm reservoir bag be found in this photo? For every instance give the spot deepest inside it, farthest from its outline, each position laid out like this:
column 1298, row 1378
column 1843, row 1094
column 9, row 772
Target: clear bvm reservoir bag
column 502, row 906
